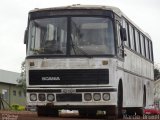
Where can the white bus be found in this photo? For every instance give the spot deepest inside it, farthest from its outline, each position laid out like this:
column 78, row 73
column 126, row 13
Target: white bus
column 87, row 58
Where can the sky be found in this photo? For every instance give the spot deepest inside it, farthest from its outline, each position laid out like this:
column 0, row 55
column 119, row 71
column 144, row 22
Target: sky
column 14, row 15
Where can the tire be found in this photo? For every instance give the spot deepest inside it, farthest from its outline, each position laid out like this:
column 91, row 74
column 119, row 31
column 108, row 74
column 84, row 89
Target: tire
column 144, row 97
column 47, row 111
column 87, row 113
column 41, row 111
column 139, row 111
column 111, row 113
column 82, row 113
column 135, row 111
column 119, row 112
column 131, row 111
column 92, row 113
column 120, row 101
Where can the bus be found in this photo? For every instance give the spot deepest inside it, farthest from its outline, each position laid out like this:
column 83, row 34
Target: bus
column 88, row 58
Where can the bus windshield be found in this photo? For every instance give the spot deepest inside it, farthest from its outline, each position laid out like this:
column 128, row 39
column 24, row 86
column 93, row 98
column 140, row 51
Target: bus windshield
column 87, row 36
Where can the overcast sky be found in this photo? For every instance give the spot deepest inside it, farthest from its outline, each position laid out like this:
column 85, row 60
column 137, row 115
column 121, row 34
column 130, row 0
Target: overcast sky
column 14, row 13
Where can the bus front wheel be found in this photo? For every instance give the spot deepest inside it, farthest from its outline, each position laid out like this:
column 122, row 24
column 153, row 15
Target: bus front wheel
column 47, row 111
column 120, row 100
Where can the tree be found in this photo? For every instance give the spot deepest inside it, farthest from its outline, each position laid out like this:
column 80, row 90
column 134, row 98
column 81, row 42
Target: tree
column 156, row 73
column 22, row 79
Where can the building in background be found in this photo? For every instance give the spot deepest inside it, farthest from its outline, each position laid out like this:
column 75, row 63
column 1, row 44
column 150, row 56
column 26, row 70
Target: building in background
column 10, row 92
column 157, row 92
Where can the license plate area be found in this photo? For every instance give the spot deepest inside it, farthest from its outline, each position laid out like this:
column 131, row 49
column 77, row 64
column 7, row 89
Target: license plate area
column 69, row 97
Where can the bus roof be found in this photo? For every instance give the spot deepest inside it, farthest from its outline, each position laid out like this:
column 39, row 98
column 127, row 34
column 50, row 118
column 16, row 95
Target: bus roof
column 78, row 6
column 98, row 7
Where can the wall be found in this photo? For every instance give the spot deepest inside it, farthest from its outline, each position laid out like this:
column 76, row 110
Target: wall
column 7, row 93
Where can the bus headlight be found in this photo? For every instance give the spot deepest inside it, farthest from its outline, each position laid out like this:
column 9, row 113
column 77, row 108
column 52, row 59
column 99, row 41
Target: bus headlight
column 50, row 97
column 97, row 96
column 87, row 97
column 33, row 97
column 41, row 97
column 106, row 96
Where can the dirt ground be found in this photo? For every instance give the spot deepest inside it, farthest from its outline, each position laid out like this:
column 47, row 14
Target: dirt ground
column 26, row 115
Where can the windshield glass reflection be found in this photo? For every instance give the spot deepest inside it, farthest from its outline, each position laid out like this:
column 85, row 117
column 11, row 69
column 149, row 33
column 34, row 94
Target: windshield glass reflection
column 87, row 36
column 92, row 35
column 48, row 36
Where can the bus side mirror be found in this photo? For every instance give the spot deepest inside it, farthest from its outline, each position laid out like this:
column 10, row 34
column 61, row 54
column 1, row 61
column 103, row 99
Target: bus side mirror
column 123, row 34
column 25, row 36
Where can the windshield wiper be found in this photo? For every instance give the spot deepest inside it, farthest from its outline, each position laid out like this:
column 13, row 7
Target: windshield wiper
column 75, row 47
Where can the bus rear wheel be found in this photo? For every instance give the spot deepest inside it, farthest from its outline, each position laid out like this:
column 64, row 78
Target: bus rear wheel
column 134, row 111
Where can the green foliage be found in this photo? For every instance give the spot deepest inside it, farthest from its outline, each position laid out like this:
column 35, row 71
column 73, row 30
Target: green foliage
column 17, row 107
column 22, row 79
column 21, row 108
column 156, row 74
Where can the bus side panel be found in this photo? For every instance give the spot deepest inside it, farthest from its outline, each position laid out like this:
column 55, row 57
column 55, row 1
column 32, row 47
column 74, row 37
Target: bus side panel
column 138, row 73
column 133, row 90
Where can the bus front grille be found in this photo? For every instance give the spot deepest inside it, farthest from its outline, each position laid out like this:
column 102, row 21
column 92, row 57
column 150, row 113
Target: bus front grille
column 69, row 77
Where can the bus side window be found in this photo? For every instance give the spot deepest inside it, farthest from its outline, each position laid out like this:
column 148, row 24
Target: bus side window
column 142, row 45
column 119, row 42
column 147, row 48
column 125, row 25
column 137, row 41
column 131, row 30
column 150, row 51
